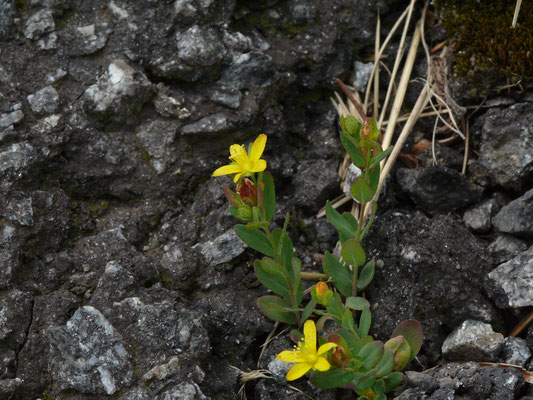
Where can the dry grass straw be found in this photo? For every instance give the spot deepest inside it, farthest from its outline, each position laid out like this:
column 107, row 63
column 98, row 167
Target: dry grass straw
column 516, row 12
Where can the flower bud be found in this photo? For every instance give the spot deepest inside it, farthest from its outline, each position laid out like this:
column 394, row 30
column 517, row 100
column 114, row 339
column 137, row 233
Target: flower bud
column 245, row 212
column 247, row 192
column 402, row 351
column 339, row 357
column 321, row 293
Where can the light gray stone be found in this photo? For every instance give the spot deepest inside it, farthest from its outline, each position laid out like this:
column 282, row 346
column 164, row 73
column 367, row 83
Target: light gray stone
column 506, row 247
column 88, row 355
column 156, row 138
column 44, row 101
column 515, row 351
column 211, row 124
column 511, row 284
column 222, row 249
column 199, row 46
column 39, row 23
column 17, row 156
column 6, row 120
column 478, row 218
column 473, row 341
column 517, row 216
column 362, row 74
column 227, row 97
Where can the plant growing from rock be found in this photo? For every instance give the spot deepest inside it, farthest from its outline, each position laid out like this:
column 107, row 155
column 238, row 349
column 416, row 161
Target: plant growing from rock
column 349, row 357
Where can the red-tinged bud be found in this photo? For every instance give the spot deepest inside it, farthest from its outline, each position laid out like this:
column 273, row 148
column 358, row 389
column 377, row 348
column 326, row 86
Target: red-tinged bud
column 321, row 293
column 247, row 192
column 339, row 357
column 232, row 197
column 402, row 351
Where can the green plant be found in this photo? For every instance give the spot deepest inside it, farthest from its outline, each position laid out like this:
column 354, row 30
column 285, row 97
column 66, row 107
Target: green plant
column 349, row 357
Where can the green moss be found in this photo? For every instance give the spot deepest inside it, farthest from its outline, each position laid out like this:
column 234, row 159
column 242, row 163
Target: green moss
column 47, row 395
column 487, row 49
column 20, row 3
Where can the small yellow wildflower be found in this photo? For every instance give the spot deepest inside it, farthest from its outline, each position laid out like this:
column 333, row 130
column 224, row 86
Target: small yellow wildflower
column 306, row 355
column 243, row 162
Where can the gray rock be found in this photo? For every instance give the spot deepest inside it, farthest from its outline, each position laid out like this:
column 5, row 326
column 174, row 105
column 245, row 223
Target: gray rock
column 6, row 120
column 157, row 137
column 511, row 284
column 8, row 387
column 48, row 42
column 199, row 46
column 473, row 341
column 362, row 74
column 222, row 249
column 119, row 94
column 184, row 391
column 478, row 217
column 88, row 355
column 515, row 351
column 505, row 247
column 214, row 123
column 17, row 156
column 89, row 39
column 170, row 106
column 517, row 216
column 506, row 152
column 430, row 187
column 425, row 382
column 7, row 13
column 227, row 97
column 469, row 381
column 44, row 101
column 19, row 210
column 39, row 23
column 248, row 70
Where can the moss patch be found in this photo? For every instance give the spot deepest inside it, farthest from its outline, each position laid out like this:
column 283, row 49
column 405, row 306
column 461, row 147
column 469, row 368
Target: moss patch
column 486, row 47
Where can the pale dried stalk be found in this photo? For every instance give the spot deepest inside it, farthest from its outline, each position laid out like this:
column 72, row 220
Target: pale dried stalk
column 402, row 87
column 399, row 56
column 376, row 61
column 516, row 12
column 467, row 148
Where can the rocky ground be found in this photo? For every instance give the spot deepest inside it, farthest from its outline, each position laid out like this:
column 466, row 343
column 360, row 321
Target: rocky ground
column 120, row 274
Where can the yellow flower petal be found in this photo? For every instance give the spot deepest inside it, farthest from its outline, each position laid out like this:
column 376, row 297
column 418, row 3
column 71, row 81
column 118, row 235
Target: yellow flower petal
column 259, row 166
column 310, row 336
column 237, row 150
column 326, row 347
column 291, row 356
column 298, row 371
column 257, row 148
column 227, row 170
column 322, row 364
column 237, row 177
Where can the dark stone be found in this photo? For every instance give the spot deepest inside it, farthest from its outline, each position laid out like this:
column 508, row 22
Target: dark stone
column 517, row 216
column 314, row 181
column 430, row 188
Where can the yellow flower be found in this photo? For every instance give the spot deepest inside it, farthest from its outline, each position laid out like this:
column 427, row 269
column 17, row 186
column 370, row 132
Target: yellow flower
column 243, row 162
column 306, row 355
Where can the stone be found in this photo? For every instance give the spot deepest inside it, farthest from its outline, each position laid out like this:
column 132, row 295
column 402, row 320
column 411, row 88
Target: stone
column 505, row 247
column 227, row 97
column 478, row 218
column 8, row 387
column 88, row 39
column 89, row 355
column 510, row 285
column 157, row 137
column 429, row 188
column 7, row 14
column 12, row 118
column 515, row 351
column 199, row 46
column 16, row 157
column 44, row 101
column 517, row 216
column 248, row 70
column 214, row 123
column 118, row 95
column 19, row 210
column 362, row 75
column 38, row 24
column 419, row 380
column 183, row 391
column 473, row 341
column 506, row 151
column 223, row 248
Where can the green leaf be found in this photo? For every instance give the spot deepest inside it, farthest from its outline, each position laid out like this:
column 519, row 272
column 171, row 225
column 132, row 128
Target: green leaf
column 354, row 343
column 373, row 178
column 353, row 253
column 257, row 240
column 269, row 196
column 330, row 379
column 272, row 275
column 371, row 353
column 386, row 364
column 392, row 381
column 367, row 274
column 270, row 306
column 379, row 386
column 364, row 383
column 357, row 303
column 374, row 131
column 235, row 212
column 308, row 310
column 351, row 126
column 256, row 225
column 347, row 320
column 364, row 322
column 296, row 278
column 352, row 148
column 339, row 273
column 340, row 223
column 352, row 221
column 412, row 331
column 361, row 191
column 377, row 159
